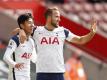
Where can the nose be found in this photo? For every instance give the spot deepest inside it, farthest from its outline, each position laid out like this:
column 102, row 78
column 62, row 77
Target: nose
column 32, row 25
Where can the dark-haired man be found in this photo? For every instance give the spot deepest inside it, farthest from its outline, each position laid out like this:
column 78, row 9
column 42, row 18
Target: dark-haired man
column 18, row 55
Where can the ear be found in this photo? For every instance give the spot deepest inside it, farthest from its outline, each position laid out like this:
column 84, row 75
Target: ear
column 49, row 18
column 22, row 26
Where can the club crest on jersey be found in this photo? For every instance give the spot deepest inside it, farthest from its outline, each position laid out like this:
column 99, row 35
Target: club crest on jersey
column 10, row 44
column 49, row 40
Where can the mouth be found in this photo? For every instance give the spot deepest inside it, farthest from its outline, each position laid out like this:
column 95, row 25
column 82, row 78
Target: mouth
column 30, row 30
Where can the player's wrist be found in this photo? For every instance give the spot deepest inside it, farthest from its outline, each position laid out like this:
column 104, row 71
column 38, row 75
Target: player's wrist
column 14, row 64
column 20, row 30
column 93, row 30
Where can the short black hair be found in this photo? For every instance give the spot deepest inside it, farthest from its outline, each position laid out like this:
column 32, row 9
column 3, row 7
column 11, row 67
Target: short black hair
column 23, row 17
column 49, row 11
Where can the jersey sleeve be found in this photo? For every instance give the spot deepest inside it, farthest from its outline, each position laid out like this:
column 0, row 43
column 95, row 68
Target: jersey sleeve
column 8, row 53
column 69, row 35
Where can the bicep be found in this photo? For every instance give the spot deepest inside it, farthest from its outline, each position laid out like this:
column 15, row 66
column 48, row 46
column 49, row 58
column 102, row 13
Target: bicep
column 76, row 40
column 73, row 38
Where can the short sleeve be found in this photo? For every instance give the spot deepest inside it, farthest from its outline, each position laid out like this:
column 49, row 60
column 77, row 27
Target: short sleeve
column 69, row 35
column 12, row 45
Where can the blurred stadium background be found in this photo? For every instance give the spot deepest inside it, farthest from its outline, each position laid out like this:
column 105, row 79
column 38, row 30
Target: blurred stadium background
column 76, row 16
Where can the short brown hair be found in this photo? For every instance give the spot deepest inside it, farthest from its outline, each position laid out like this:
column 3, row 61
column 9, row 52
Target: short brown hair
column 49, row 11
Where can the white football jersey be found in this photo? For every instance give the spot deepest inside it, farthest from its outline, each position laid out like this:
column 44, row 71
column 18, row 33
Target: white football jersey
column 50, row 48
column 23, row 53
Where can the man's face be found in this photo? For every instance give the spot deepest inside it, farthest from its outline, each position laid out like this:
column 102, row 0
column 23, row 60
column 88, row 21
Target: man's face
column 55, row 18
column 28, row 26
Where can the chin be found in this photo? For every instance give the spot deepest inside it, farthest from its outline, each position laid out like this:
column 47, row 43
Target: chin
column 30, row 33
column 55, row 26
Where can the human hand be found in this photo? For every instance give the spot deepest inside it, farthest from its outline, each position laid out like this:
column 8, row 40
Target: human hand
column 15, row 31
column 19, row 66
column 93, row 25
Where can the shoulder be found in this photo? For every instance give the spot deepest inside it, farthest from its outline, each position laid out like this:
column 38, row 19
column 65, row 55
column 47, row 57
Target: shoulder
column 37, row 28
column 13, row 42
column 64, row 30
column 31, row 39
column 60, row 28
column 40, row 28
column 15, row 38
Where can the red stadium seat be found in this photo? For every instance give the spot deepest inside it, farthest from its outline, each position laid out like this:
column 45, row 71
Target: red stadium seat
column 103, row 27
column 77, row 7
column 105, row 6
column 98, row 7
column 87, row 7
column 104, row 16
column 67, row 8
column 96, row 16
column 84, row 16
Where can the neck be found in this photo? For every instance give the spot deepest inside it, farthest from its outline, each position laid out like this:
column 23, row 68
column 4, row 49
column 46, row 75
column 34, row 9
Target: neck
column 27, row 34
column 49, row 27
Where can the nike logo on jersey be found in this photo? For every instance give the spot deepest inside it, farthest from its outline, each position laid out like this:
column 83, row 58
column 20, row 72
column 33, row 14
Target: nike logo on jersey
column 49, row 40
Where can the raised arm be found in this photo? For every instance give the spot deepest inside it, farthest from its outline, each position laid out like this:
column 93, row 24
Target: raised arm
column 86, row 38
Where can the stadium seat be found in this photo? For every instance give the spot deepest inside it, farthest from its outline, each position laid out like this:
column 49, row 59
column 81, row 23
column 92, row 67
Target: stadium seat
column 87, row 7
column 98, row 7
column 84, row 16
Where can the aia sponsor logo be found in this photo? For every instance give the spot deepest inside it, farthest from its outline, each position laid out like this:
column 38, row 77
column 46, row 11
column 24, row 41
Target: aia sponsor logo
column 49, row 40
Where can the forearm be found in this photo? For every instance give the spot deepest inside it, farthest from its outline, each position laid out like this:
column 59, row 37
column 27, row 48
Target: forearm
column 7, row 58
column 9, row 61
column 8, row 53
column 86, row 38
